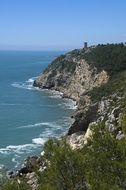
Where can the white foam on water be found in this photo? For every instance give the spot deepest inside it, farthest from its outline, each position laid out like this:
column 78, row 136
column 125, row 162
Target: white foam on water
column 22, row 85
column 39, row 141
column 51, row 129
column 49, row 124
column 31, row 80
column 69, row 104
column 1, row 166
column 18, row 104
column 16, row 149
column 55, row 94
column 10, row 104
column 15, row 160
column 54, row 129
column 25, row 85
column 4, row 151
column 47, row 133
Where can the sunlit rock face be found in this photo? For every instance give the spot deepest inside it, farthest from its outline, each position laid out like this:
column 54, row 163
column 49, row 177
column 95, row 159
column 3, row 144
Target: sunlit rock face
column 71, row 75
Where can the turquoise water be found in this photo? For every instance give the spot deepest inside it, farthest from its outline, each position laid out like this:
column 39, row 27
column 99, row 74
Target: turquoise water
column 28, row 116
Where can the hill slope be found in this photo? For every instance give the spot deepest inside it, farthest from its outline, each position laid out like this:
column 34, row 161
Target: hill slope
column 95, row 77
column 72, row 75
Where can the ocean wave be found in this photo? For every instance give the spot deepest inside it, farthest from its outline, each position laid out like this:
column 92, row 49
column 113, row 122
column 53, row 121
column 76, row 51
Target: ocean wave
column 60, row 128
column 26, row 84
column 49, row 124
column 22, row 85
column 69, row 104
column 16, row 161
column 2, row 167
column 17, row 148
column 51, row 129
column 26, row 104
column 31, row 80
column 10, row 104
column 17, row 153
column 55, row 94
column 39, row 141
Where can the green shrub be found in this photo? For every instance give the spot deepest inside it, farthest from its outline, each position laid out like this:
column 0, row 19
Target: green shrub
column 106, row 160
column 116, row 84
column 110, row 57
column 101, row 164
column 66, row 168
column 14, row 184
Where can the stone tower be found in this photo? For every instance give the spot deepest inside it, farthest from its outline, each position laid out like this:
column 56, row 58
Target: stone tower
column 85, row 45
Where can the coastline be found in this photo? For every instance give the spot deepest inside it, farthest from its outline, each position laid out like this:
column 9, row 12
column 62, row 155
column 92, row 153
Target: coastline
column 68, row 104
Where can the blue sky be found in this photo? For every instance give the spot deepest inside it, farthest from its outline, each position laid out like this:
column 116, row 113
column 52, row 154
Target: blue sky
column 60, row 24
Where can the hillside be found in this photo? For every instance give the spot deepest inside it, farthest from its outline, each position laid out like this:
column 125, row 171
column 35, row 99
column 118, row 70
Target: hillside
column 94, row 77
column 72, row 75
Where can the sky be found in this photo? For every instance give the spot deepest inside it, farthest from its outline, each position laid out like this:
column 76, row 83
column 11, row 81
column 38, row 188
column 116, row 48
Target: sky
column 60, row 24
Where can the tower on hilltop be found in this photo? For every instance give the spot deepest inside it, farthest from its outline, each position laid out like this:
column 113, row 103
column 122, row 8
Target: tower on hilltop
column 85, row 45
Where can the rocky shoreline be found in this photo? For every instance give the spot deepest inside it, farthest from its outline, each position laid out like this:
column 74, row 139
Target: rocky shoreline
column 74, row 82
column 77, row 78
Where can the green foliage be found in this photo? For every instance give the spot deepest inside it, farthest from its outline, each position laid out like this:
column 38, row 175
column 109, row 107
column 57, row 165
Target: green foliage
column 15, row 184
column 3, row 177
column 61, row 64
column 116, row 84
column 55, row 64
column 106, row 160
column 110, row 57
column 65, row 170
column 123, row 122
column 101, row 164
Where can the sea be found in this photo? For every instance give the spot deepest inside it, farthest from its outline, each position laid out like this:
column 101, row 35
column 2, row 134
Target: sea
column 29, row 116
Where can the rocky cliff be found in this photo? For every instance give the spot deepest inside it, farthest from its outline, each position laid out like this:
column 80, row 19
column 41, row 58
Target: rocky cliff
column 72, row 75
column 93, row 77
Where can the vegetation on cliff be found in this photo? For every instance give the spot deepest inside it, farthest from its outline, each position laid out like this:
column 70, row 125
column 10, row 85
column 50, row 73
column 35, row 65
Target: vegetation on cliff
column 100, row 164
column 61, row 64
column 116, row 84
column 110, row 57
column 81, row 71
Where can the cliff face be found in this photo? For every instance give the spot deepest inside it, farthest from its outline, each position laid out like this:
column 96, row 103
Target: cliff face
column 72, row 75
column 95, row 78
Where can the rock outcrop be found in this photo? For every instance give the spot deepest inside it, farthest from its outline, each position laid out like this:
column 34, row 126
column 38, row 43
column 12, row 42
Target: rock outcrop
column 71, row 75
